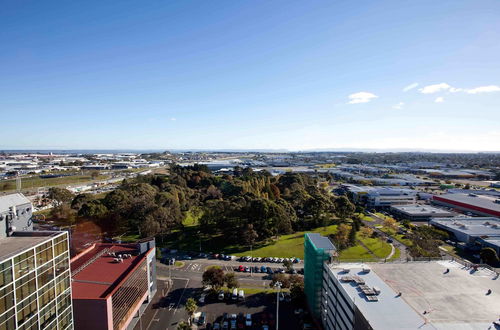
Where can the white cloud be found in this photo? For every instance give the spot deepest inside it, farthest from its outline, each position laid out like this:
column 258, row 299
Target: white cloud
column 455, row 90
column 409, row 87
column 439, row 99
column 398, row 106
column 431, row 89
column 483, row 89
column 173, row 119
column 361, row 97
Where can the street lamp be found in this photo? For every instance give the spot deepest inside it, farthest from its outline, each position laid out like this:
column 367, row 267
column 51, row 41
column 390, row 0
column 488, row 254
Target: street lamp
column 278, row 286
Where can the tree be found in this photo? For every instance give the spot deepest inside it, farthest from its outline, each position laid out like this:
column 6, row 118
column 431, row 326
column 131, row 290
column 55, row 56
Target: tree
column 288, row 264
column 60, row 195
column 79, row 200
column 249, row 235
column 282, row 278
column 352, row 236
column 184, row 326
column 489, row 255
column 343, row 207
column 366, row 232
column 191, row 307
column 341, row 237
column 231, row 280
column 213, row 276
column 93, row 209
column 390, row 223
column 297, row 291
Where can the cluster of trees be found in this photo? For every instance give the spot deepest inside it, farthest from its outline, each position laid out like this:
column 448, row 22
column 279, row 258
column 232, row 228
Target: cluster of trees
column 216, row 278
column 235, row 206
column 425, row 241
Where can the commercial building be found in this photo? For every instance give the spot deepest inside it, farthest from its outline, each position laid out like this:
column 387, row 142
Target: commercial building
column 415, row 295
column 483, row 205
column 474, row 231
column 35, row 290
column 317, row 250
column 113, row 284
column 15, row 214
column 381, row 197
column 419, row 212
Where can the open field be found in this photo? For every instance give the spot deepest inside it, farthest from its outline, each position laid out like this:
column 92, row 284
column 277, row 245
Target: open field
column 36, row 181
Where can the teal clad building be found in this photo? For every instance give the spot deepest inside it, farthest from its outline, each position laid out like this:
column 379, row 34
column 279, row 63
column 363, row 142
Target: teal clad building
column 317, row 250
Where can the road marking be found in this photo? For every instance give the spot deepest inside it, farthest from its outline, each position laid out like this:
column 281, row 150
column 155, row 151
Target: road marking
column 156, row 312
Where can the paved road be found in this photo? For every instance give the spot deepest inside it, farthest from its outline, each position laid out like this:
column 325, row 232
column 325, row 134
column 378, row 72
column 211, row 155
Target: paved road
column 378, row 221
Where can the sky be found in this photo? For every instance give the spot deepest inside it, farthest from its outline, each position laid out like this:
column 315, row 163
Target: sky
column 296, row 75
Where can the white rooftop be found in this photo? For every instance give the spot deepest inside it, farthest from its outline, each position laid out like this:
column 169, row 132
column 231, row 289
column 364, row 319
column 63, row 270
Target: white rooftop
column 453, row 300
column 7, row 201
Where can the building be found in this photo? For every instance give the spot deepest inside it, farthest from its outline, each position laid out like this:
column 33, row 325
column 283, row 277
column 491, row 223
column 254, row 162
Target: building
column 15, row 214
column 419, row 212
column 474, row 231
column 35, row 285
column 381, row 197
column 483, row 205
column 317, row 250
column 414, row 295
column 113, row 284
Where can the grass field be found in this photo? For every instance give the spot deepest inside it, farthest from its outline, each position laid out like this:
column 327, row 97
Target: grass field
column 35, row 181
column 364, row 217
column 191, row 219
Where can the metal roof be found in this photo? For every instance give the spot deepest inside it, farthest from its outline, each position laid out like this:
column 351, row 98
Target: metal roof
column 320, row 242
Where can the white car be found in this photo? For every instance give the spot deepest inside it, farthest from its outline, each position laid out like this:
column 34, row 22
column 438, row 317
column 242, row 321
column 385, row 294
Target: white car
column 248, row 320
column 202, row 299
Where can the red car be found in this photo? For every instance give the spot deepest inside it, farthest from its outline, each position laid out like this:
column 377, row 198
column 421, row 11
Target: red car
column 241, row 268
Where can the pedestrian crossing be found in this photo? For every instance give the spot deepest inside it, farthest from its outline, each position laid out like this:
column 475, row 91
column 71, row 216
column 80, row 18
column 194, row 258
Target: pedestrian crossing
column 194, row 267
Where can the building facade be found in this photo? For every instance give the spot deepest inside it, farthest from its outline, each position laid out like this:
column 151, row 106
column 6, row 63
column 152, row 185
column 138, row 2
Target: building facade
column 35, row 290
column 317, row 251
column 113, row 284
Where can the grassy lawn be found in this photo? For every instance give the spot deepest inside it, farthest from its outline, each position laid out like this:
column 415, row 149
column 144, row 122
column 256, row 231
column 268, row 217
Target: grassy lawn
column 35, row 181
column 364, row 217
column 397, row 255
column 191, row 219
column 355, row 253
column 287, row 245
column 379, row 247
column 398, row 237
column 128, row 238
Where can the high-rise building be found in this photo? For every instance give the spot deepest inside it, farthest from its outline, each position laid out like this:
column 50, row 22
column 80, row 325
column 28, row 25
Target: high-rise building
column 35, row 290
column 113, row 284
column 317, row 250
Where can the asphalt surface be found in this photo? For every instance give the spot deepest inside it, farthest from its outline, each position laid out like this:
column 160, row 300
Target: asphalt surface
column 167, row 307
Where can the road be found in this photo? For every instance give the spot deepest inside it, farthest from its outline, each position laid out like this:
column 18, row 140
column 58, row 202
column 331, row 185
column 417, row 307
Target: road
column 379, row 222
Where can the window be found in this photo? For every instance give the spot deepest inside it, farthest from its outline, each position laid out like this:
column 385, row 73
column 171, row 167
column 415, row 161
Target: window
column 25, row 286
column 5, row 273
column 44, row 253
column 60, row 245
column 63, row 302
column 24, row 263
column 46, row 295
column 61, row 264
column 62, row 283
column 7, row 321
column 26, row 309
column 32, row 324
column 6, row 298
column 47, row 315
column 65, row 319
column 45, row 274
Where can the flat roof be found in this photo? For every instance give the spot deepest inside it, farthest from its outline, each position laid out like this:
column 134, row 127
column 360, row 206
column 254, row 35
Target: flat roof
column 19, row 242
column 16, row 199
column 453, row 300
column 95, row 273
column 321, row 242
column 478, row 226
column 483, row 201
column 422, row 210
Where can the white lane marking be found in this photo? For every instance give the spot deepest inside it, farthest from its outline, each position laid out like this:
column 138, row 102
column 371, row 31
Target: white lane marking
column 179, row 302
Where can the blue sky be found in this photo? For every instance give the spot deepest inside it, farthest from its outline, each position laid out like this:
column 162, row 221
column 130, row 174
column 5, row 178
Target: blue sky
column 250, row 74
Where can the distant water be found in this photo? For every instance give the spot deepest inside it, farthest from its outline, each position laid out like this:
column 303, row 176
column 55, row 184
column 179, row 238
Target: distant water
column 82, row 151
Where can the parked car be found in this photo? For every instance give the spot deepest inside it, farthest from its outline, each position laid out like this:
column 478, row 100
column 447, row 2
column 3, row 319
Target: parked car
column 288, row 298
column 269, row 270
column 216, row 326
column 256, row 269
column 235, row 294
column 220, row 295
column 241, row 268
column 241, row 295
column 248, row 320
column 203, row 318
column 247, row 269
column 202, row 299
column 263, row 269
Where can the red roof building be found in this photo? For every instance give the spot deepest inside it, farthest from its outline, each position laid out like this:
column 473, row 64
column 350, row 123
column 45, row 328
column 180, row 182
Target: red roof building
column 110, row 283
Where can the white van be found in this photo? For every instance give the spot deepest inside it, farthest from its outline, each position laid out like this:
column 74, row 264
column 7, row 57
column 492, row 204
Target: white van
column 235, row 294
column 241, row 295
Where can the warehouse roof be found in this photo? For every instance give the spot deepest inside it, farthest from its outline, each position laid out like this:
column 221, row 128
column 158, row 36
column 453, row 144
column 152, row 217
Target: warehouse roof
column 472, row 226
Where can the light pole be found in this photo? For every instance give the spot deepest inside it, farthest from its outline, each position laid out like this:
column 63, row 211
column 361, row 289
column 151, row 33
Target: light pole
column 251, row 257
column 278, row 286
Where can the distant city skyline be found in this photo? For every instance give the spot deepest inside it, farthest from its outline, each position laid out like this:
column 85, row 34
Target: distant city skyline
column 279, row 75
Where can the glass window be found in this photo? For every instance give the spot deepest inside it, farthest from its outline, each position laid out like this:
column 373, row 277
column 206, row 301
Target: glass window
column 63, row 302
column 5, row 273
column 7, row 321
column 61, row 264
column 24, row 263
column 46, row 295
column 62, row 283
column 65, row 319
column 32, row 324
column 45, row 274
column 6, row 298
column 25, row 286
column 60, row 245
column 44, row 253
column 47, row 315
column 26, row 309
